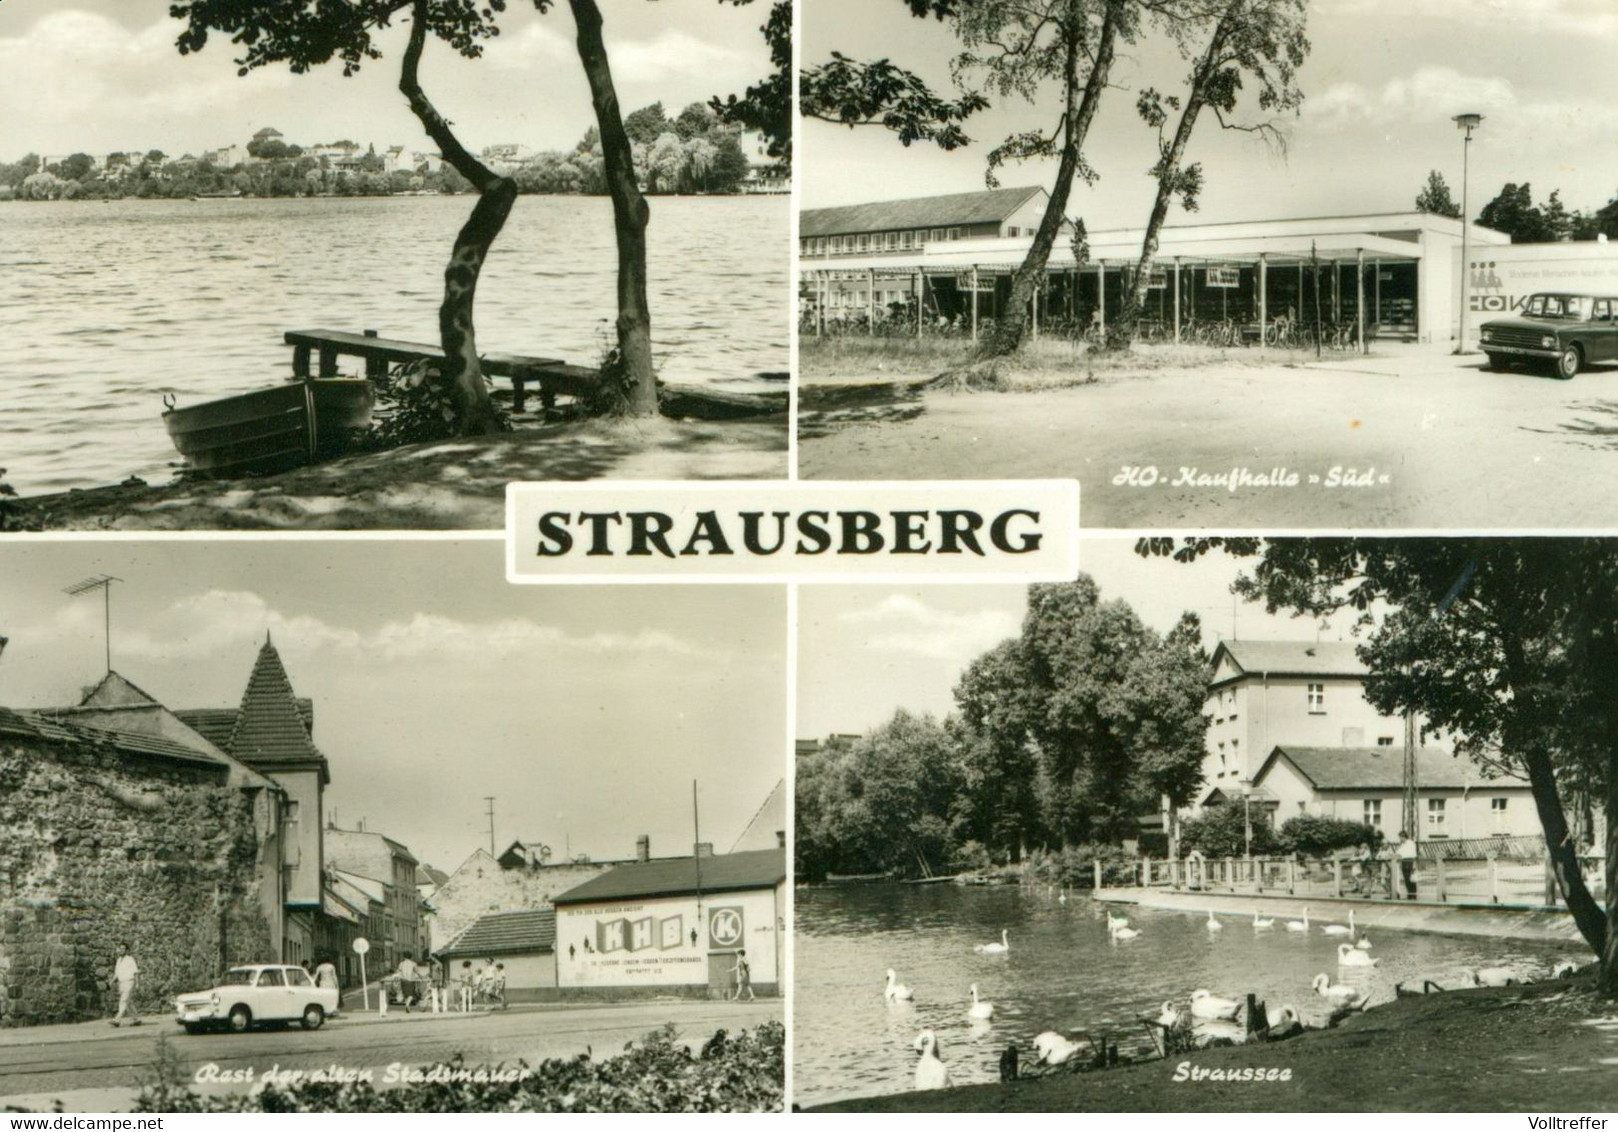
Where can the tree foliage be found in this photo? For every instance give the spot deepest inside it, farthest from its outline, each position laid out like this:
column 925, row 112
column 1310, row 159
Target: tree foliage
column 1067, row 733
column 766, row 106
column 1434, row 197
column 1222, row 831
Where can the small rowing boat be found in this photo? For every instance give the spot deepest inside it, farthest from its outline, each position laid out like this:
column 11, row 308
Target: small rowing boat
column 271, row 430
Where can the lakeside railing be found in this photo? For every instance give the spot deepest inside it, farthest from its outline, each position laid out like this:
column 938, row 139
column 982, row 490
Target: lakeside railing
column 1509, row 876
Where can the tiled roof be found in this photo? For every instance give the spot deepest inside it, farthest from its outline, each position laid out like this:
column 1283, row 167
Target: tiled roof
column 270, row 727
column 680, row 876
column 115, row 690
column 503, row 933
column 1382, row 768
column 38, row 725
column 1294, row 658
column 987, row 206
column 218, row 724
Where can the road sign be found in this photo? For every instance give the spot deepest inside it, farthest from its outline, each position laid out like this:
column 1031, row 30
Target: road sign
column 361, row 945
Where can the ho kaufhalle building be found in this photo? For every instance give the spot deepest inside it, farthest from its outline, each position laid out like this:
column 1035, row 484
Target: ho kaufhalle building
column 948, row 260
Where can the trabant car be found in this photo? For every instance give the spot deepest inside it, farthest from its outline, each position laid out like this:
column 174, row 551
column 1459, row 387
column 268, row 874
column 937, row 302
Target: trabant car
column 259, row 993
column 1567, row 331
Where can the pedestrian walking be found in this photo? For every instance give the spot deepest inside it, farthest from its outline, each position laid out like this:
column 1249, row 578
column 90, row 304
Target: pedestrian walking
column 326, row 976
column 467, row 983
column 126, row 972
column 435, row 980
column 407, row 981
column 743, row 975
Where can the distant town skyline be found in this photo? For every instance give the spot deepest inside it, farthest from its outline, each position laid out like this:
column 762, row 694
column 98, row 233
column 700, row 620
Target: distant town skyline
column 585, row 711
column 116, row 80
column 1382, row 82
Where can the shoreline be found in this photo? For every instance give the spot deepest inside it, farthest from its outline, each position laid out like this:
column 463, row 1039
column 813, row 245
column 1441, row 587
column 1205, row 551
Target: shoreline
column 1549, row 1047
column 457, row 484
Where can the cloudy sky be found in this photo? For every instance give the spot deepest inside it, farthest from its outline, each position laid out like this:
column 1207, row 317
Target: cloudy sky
column 865, row 651
column 1382, row 83
column 104, row 75
column 586, row 711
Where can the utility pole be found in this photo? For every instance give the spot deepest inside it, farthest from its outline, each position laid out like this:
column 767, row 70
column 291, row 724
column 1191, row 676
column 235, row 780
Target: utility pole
column 102, row 582
column 490, row 800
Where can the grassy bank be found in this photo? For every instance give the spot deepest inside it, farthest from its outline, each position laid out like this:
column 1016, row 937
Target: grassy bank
column 1047, row 363
column 1550, row 1048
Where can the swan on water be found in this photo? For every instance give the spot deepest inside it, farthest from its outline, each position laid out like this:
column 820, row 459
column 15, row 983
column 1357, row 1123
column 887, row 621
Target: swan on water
column 1062, row 899
column 1206, row 1004
column 1116, row 922
column 1350, row 956
column 930, row 1070
column 1213, row 1030
column 1498, row 977
column 1170, row 1017
column 979, row 1009
column 1051, row 1048
column 1341, row 995
column 1261, row 924
column 897, row 991
column 1342, row 929
column 995, row 948
column 1125, row 933
column 1283, row 1019
column 1300, row 925
column 1213, row 924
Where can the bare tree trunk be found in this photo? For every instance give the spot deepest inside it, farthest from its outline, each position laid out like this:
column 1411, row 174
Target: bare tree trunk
column 630, row 215
column 1168, row 175
column 1077, row 116
column 463, row 371
column 1608, row 981
column 1588, row 916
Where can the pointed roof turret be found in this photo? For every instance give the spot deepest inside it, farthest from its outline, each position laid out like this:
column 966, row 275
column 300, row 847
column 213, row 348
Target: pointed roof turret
column 270, row 730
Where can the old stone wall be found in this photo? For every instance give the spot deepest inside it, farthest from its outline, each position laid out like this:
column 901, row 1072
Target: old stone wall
column 99, row 848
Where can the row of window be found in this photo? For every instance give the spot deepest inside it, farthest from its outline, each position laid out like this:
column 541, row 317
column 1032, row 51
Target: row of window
column 856, row 299
column 878, row 241
column 1437, row 814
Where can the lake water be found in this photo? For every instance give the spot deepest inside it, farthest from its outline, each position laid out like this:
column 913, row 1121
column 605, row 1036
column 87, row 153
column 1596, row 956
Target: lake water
column 1062, row 973
column 109, row 306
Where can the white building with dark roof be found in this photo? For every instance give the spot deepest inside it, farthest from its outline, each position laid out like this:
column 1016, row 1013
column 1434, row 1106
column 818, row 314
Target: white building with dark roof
column 523, row 943
column 674, row 926
column 1456, row 799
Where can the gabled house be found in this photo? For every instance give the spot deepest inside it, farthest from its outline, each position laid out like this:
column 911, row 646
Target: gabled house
column 1456, row 800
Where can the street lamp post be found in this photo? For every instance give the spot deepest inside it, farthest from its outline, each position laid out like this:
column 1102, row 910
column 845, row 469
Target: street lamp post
column 1467, row 122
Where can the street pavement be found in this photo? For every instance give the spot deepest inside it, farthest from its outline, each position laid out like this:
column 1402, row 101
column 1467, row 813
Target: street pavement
column 93, row 1067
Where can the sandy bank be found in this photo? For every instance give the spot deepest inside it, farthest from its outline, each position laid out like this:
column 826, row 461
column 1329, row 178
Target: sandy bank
column 443, row 485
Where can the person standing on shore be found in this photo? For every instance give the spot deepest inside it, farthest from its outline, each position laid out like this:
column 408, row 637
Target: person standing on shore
column 1407, row 865
column 125, row 973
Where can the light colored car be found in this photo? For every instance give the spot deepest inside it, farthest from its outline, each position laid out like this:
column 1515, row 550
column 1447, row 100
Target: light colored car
column 247, row 996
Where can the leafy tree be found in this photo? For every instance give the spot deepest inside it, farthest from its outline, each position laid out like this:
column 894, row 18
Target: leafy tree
column 1513, row 213
column 302, row 36
column 1511, row 645
column 1222, row 831
column 268, row 149
column 1435, row 198
column 1001, row 801
column 647, row 124
column 74, row 168
column 694, row 121
column 1261, row 40
column 851, row 93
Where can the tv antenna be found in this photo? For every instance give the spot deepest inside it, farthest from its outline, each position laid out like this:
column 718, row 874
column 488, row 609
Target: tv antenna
column 102, row 582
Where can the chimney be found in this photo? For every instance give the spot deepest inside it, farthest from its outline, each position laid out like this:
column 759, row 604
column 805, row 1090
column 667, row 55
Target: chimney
column 704, row 849
column 643, row 848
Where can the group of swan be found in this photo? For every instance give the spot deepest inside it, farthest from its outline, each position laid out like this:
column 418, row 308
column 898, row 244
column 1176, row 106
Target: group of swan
column 1118, row 927
column 898, row 992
